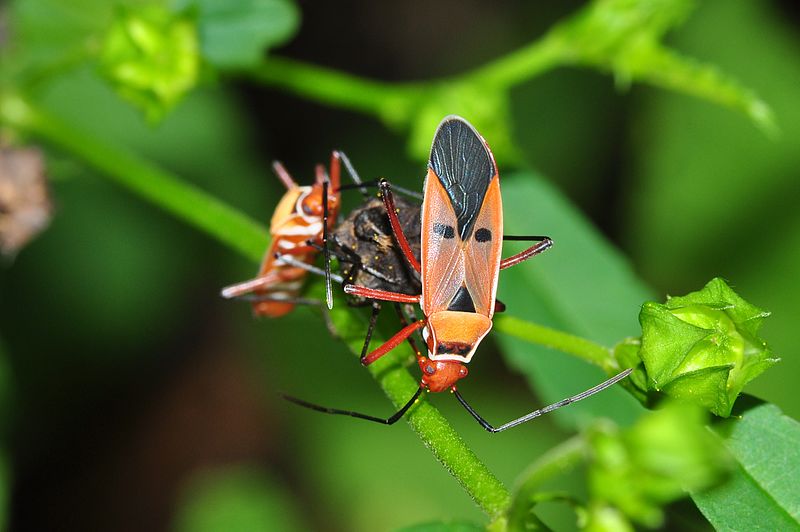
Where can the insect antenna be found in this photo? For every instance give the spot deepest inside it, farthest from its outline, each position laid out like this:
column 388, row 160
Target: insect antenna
column 325, row 410
column 357, row 183
column 291, row 261
column 376, row 183
column 536, row 413
column 326, row 251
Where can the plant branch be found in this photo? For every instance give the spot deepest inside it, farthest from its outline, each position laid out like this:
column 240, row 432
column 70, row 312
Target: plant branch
column 443, row 441
column 143, row 178
column 624, row 39
column 555, row 462
column 389, row 100
column 561, row 341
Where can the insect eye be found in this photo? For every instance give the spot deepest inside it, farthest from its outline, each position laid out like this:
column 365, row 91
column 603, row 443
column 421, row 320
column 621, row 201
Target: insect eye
column 483, row 235
column 446, row 231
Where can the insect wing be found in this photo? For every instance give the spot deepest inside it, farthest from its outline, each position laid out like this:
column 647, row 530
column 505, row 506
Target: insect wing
column 461, row 223
column 482, row 252
column 441, row 249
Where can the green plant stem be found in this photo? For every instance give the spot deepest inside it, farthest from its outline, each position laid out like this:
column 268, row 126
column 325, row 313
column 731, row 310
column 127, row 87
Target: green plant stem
column 248, row 238
column 154, row 184
column 564, row 342
column 443, row 441
column 337, row 88
column 555, row 462
column 518, row 66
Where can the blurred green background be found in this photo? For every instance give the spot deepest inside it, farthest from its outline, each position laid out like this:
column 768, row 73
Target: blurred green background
column 137, row 399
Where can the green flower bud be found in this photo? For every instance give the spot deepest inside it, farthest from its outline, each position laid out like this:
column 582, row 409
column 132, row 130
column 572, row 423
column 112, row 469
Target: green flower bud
column 151, row 56
column 604, row 518
column 651, row 464
column 703, row 347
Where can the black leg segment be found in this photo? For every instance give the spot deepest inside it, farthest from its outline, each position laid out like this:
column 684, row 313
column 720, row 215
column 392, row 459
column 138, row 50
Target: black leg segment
column 536, row 413
column 325, row 410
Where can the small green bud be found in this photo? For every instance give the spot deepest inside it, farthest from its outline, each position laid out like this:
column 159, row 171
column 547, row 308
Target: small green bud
column 604, row 518
column 640, row 469
column 703, row 347
column 151, row 56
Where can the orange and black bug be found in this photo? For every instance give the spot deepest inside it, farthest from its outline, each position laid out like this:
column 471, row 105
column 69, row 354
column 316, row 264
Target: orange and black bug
column 460, row 262
column 298, row 229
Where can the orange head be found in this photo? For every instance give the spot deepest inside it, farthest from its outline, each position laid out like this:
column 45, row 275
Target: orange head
column 440, row 375
column 312, row 204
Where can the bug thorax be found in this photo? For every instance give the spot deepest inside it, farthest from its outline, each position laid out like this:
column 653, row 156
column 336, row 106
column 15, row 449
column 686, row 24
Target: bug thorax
column 454, row 336
column 441, row 375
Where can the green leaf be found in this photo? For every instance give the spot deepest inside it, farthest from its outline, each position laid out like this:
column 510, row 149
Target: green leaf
column 236, row 33
column 761, row 493
column 48, row 31
column 583, row 286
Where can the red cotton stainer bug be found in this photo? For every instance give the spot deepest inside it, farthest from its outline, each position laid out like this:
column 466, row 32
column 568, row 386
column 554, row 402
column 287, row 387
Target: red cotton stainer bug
column 462, row 234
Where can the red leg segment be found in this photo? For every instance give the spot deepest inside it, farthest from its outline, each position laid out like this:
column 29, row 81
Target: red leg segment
column 391, row 210
column 525, row 255
column 283, row 175
column 383, row 295
column 393, row 342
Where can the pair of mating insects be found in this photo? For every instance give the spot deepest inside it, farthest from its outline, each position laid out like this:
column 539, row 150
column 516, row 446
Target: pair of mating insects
column 460, row 241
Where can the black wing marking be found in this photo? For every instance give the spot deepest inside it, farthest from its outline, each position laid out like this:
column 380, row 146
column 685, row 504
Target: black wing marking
column 464, row 166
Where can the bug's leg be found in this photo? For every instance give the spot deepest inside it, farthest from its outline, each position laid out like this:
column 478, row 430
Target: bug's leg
column 543, row 244
column 376, row 182
column 362, row 185
column 283, row 175
column 373, row 319
column 499, row 306
column 404, row 323
column 326, row 316
column 388, row 421
column 536, row 413
column 245, row 287
column 291, row 261
column 399, row 235
column 383, row 295
column 392, row 342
